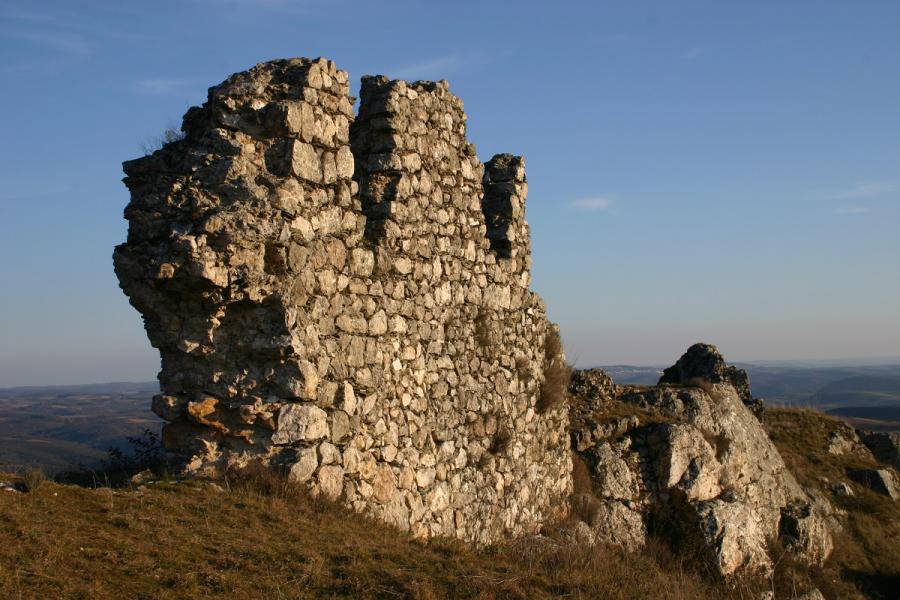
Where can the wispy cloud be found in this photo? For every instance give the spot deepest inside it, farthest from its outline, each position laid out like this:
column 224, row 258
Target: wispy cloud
column 852, row 210
column 69, row 44
column 42, row 40
column 165, row 87
column 435, row 68
column 594, row 203
column 867, row 190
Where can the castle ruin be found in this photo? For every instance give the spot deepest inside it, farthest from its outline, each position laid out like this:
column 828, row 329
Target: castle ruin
column 346, row 297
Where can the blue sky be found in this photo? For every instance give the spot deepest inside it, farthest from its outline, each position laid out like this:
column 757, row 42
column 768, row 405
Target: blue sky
column 717, row 171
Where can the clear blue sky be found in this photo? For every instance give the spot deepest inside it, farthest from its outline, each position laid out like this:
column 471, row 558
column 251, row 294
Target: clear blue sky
column 717, row 171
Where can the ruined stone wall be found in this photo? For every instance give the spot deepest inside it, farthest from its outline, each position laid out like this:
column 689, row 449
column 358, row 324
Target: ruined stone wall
column 348, row 299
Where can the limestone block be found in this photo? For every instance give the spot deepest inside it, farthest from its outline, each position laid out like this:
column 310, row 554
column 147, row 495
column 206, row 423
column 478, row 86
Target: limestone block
column 305, row 162
column 300, row 423
column 306, row 464
column 331, row 481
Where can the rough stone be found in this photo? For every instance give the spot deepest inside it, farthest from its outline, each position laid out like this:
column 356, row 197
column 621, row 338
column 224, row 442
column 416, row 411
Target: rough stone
column 300, row 423
column 304, row 466
column 882, row 481
column 704, row 362
column 884, row 445
column 693, row 451
column 331, row 481
column 351, row 286
column 806, row 532
column 735, row 536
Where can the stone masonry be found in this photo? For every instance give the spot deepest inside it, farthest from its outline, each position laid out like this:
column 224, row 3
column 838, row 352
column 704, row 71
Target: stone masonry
column 347, row 298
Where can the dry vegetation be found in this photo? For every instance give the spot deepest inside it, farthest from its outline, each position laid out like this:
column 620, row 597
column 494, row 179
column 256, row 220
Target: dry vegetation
column 253, row 535
column 866, row 558
column 557, row 374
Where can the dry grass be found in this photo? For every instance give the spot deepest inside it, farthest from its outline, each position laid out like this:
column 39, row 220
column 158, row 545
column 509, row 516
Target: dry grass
column 253, row 535
column 192, row 540
column 33, row 478
column 866, row 558
column 501, row 440
column 557, row 374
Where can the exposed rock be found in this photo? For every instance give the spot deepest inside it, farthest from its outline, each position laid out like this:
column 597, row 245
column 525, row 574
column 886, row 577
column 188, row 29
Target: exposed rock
column 618, row 523
column 734, row 534
column 813, row 594
column 350, row 293
column 686, row 462
column 696, row 453
column 882, row 481
column 593, row 386
column 704, row 362
column 884, row 445
column 13, row 488
column 806, row 532
column 839, row 444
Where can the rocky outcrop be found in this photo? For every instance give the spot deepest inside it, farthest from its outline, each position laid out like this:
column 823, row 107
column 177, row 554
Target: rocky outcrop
column 884, row 445
column 346, row 297
column 882, row 481
column 703, row 362
column 689, row 455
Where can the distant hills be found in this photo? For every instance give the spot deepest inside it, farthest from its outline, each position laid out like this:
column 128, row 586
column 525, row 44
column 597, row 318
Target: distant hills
column 61, row 427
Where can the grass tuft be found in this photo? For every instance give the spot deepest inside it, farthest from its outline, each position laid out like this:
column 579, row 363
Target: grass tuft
column 554, row 389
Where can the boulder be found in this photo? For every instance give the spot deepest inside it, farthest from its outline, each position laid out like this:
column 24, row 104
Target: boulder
column 882, row 481
column 884, row 445
column 734, row 535
column 806, row 532
column 300, row 423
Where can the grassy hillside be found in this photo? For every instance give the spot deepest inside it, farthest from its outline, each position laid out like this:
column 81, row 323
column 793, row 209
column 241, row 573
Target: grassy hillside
column 190, row 540
column 254, row 536
column 867, row 552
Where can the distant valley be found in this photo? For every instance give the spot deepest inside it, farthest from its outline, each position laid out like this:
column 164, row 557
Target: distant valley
column 62, row 427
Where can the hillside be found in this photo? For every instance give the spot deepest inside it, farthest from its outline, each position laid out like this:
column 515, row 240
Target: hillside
column 180, row 540
column 253, row 536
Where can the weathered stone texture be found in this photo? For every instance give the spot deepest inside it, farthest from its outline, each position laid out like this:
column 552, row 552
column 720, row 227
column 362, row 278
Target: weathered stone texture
column 884, row 445
column 691, row 452
column 348, row 297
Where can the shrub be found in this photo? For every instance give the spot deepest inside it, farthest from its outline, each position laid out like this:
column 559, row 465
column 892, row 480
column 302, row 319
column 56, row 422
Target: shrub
column 500, row 441
column 557, row 373
column 33, row 478
column 146, row 452
column 522, row 370
column 170, row 135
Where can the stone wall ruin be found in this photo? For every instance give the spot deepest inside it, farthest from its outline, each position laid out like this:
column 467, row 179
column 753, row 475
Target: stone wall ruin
column 346, row 297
